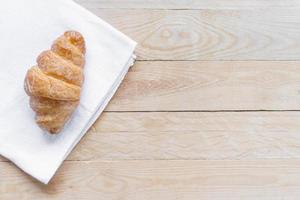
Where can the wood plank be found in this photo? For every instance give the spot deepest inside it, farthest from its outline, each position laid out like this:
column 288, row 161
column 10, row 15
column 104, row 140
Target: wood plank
column 193, row 86
column 191, row 4
column 241, row 34
column 207, row 136
column 155, row 180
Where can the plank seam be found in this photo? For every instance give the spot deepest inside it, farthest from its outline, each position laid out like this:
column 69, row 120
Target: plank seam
column 219, row 60
column 192, row 9
column 175, row 160
column 196, row 111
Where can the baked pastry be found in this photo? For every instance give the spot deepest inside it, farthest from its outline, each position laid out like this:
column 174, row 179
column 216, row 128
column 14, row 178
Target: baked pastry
column 54, row 85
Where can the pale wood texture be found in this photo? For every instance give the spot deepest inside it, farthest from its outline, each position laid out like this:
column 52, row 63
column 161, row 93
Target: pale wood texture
column 154, row 180
column 191, row 135
column 223, row 34
column 192, row 86
column 189, row 4
column 188, row 136
column 211, row 110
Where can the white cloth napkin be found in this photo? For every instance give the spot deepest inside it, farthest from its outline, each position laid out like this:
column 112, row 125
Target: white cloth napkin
column 28, row 27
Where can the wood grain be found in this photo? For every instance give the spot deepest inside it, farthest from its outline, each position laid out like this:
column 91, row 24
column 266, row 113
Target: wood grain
column 154, row 180
column 191, row 4
column 223, row 34
column 187, row 136
column 194, row 86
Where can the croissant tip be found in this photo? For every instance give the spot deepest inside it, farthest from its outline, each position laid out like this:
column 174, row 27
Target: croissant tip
column 76, row 38
column 72, row 32
column 53, row 132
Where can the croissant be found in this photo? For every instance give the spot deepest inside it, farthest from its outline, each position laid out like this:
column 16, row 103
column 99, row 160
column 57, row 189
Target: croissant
column 54, row 85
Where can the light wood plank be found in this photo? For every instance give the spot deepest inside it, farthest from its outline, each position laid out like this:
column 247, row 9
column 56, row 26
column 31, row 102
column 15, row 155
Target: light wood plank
column 208, row 136
column 191, row 4
column 155, row 180
column 258, row 34
column 173, row 86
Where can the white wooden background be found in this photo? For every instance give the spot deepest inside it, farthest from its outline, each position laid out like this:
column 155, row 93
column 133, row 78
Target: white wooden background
column 211, row 109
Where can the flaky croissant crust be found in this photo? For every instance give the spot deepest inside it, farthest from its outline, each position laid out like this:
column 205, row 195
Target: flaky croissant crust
column 54, row 85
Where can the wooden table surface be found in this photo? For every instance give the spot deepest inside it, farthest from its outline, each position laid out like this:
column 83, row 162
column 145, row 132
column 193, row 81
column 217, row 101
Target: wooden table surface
column 211, row 109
